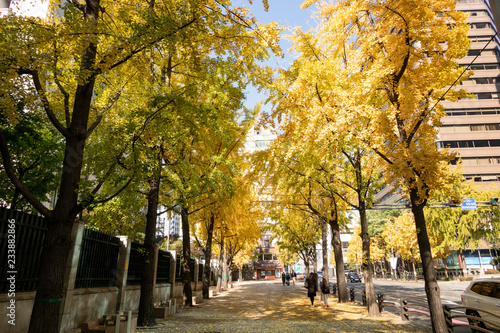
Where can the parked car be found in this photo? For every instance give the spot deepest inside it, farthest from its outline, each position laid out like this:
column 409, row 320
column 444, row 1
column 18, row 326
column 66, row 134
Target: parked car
column 352, row 277
column 482, row 296
column 300, row 276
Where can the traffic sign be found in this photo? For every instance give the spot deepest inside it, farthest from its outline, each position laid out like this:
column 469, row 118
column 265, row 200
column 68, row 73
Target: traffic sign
column 469, row 204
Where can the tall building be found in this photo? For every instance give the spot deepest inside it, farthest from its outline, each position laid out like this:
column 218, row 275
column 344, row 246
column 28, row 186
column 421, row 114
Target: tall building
column 24, row 7
column 168, row 224
column 472, row 126
column 4, row 7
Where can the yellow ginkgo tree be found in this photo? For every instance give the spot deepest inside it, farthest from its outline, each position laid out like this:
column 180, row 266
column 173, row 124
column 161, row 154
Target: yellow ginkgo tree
column 401, row 236
column 397, row 60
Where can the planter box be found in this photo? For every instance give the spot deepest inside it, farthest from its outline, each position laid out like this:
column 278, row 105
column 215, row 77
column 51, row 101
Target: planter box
column 98, row 326
column 162, row 311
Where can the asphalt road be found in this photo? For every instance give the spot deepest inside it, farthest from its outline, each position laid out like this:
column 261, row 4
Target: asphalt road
column 450, row 295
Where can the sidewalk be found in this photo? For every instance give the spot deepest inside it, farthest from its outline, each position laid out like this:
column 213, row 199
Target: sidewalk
column 268, row 306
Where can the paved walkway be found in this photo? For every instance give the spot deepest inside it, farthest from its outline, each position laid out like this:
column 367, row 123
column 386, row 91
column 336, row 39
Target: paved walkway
column 268, row 306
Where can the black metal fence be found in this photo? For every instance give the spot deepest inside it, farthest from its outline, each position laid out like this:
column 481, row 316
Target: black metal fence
column 29, row 236
column 97, row 265
column 179, row 270
column 98, row 260
column 200, row 272
column 137, row 252
column 163, row 268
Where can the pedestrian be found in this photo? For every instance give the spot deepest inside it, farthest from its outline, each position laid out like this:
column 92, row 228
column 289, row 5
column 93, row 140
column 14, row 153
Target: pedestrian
column 287, row 278
column 294, row 277
column 283, row 277
column 312, row 287
column 325, row 290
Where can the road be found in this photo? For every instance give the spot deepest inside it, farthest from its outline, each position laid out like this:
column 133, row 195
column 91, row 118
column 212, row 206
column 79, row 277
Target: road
column 450, row 295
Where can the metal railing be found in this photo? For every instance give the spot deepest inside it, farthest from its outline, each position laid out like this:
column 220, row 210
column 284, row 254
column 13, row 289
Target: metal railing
column 30, row 231
column 179, row 270
column 163, row 267
column 134, row 275
column 404, row 306
column 98, row 259
column 474, row 320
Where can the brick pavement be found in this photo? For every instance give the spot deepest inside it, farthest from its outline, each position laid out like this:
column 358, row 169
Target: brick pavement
column 268, row 306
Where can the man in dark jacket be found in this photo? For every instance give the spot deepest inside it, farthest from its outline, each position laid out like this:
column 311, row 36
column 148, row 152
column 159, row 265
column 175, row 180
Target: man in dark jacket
column 283, row 277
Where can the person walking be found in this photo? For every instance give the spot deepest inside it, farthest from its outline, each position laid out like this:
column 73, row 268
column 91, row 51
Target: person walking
column 312, row 287
column 325, row 290
column 294, row 277
column 283, row 277
column 287, row 278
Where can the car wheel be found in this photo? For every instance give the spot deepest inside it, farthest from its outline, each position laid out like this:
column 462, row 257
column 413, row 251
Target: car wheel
column 475, row 322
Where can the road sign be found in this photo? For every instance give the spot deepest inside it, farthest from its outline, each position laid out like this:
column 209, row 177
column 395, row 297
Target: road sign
column 469, row 204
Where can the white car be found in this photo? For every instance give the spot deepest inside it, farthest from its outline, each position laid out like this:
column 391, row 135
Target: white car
column 482, row 296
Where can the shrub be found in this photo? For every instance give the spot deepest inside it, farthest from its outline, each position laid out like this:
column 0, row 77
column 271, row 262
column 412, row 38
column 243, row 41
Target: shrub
column 447, row 278
column 491, row 271
column 466, row 278
column 495, row 261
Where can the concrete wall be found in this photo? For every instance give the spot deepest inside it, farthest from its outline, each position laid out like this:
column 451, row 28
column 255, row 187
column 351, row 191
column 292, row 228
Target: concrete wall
column 82, row 305
column 86, row 304
column 24, row 304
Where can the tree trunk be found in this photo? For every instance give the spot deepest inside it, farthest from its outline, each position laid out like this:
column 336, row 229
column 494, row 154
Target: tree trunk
column 46, row 309
column 208, row 256
column 339, row 261
column 146, row 315
column 461, row 261
column 445, row 265
column 324, row 245
column 186, row 257
column 371, row 299
column 431, row 286
column 414, row 270
column 314, row 258
column 224, row 268
column 306, row 265
column 45, row 315
column 219, row 270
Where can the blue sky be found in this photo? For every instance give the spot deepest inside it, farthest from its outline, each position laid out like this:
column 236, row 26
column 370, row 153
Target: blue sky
column 287, row 13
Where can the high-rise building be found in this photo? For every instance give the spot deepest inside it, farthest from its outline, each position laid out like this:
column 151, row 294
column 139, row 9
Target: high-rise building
column 472, row 126
column 4, row 7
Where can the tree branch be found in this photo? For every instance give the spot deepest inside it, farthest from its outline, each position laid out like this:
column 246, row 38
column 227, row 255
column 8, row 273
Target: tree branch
column 46, row 105
column 7, row 163
column 61, row 88
column 78, row 5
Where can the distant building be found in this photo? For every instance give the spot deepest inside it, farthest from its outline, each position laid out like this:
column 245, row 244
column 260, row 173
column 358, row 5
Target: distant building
column 259, row 139
column 168, row 224
column 267, row 266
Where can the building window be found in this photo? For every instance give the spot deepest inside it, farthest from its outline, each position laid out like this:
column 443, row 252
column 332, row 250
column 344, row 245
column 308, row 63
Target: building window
column 469, row 144
column 472, row 112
